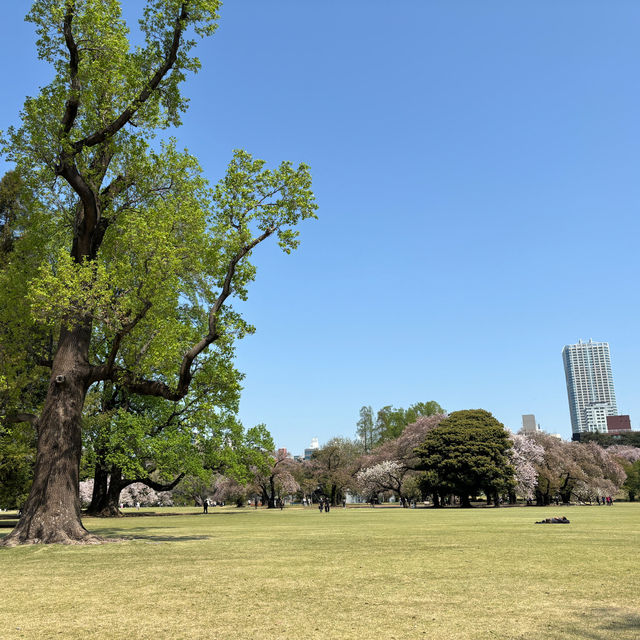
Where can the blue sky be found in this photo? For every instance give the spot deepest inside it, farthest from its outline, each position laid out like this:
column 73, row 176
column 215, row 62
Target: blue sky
column 476, row 166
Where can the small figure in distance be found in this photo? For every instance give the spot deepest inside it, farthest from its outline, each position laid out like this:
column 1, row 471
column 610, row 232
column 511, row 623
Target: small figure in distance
column 561, row 520
column 320, row 506
column 205, row 505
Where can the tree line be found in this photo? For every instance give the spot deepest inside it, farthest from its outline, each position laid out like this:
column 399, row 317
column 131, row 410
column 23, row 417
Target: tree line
column 458, row 458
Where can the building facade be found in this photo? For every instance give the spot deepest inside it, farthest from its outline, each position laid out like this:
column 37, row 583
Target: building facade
column 587, row 367
column 619, row 424
column 314, row 446
column 529, row 424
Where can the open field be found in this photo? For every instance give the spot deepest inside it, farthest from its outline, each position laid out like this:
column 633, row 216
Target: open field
column 358, row 573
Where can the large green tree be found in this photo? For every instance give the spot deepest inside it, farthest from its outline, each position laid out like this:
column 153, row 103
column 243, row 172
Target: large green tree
column 390, row 422
column 468, row 453
column 137, row 257
column 131, row 439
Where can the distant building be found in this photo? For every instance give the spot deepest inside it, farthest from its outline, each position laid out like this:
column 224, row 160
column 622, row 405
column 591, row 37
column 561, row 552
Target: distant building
column 529, row 423
column 592, row 399
column 619, row 424
column 312, row 447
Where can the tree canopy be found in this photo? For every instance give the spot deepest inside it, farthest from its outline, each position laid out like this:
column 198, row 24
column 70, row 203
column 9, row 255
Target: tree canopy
column 390, row 422
column 468, row 453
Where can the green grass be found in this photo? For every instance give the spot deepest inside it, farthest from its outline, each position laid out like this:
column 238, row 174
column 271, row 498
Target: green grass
column 358, row 573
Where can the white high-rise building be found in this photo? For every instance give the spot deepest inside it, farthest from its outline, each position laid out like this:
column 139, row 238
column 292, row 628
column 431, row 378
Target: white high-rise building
column 587, row 367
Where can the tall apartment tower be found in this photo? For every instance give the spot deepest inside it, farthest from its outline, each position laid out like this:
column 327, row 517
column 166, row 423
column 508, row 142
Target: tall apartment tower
column 587, row 367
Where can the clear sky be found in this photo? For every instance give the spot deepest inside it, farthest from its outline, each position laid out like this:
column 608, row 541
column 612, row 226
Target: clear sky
column 476, row 166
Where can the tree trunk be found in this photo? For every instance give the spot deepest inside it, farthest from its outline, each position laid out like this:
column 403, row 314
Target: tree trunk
column 465, row 503
column 100, row 488
column 52, row 511
column 271, row 502
column 109, row 506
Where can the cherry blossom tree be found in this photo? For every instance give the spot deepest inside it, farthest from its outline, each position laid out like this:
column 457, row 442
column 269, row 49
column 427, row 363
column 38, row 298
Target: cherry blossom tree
column 526, row 454
column 393, row 466
column 277, row 480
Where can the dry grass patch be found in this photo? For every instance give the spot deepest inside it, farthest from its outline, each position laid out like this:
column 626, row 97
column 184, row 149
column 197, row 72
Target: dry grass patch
column 355, row 573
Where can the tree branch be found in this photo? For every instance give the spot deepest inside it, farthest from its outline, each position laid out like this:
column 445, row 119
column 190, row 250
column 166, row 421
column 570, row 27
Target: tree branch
column 160, row 389
column 157, row 486
column 14, row 418
column 132, row 109
column 72, row 104
column 212, row 336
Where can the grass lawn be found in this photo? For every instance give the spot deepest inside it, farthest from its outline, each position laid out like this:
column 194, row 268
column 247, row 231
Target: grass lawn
column 357, row 573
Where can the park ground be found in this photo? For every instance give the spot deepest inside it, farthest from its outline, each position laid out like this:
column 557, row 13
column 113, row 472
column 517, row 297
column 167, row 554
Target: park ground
column 361, row 573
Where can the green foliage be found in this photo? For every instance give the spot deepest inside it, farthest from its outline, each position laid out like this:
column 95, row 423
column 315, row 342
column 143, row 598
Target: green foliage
column 165, row 240
column 631, row 439
column 467, row 453
column 632, row 483
column 391, row 422
column 17, row 457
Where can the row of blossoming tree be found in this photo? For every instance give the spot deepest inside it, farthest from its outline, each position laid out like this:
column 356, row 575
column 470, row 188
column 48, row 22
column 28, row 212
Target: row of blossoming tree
column 456, row 458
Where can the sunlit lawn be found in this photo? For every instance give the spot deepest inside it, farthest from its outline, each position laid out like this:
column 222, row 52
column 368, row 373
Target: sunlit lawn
column 355, row 573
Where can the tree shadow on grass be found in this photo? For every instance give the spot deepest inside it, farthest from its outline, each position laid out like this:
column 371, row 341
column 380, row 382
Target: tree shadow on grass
column 118, row 535
column 8, row 525
column 156, row 514
column 605, row 623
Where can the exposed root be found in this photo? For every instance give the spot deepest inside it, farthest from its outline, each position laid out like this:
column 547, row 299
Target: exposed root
column 18, row 538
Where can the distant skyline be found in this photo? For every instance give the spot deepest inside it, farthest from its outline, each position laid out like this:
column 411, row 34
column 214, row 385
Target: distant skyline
column 476, row 167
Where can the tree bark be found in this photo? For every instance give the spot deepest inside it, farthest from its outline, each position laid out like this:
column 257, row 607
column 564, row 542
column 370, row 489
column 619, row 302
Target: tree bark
column 109, row 505
column 52, row 511
column 100, row 488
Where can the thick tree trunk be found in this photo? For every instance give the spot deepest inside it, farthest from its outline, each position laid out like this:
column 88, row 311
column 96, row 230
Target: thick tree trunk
column 52, row 511
column 109, row 505
column 100, row 488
